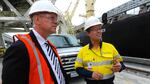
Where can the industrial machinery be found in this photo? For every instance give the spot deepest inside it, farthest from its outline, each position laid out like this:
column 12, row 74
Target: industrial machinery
column 14, row 17
column 6, row 41
column 130, row 35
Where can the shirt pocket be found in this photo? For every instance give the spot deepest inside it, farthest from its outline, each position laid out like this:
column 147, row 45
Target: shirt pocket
column 87, row 58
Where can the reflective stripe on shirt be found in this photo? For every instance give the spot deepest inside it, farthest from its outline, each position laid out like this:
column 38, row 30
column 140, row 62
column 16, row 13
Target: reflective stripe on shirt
column 98, row 63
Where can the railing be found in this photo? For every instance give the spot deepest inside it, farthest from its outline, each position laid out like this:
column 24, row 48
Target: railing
column 145, row 61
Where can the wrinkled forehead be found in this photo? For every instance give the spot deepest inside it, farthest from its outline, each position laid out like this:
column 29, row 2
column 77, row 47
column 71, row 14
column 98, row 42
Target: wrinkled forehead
column 45, row 13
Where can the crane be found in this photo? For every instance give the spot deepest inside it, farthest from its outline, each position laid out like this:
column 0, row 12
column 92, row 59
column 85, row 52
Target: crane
column 89, row 8
column 68, row 17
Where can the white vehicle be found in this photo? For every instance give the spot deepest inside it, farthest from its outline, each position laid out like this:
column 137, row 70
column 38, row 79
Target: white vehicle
column 68, row 48
column 6, row 41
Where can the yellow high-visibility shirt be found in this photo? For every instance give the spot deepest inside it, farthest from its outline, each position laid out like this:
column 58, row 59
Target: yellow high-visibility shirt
column 100, row 60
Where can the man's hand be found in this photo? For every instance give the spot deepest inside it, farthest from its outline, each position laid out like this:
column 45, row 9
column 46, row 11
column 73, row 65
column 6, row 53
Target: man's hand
column 97, row 76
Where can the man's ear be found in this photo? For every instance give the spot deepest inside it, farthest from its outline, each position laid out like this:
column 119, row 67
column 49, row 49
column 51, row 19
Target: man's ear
column 36, row 19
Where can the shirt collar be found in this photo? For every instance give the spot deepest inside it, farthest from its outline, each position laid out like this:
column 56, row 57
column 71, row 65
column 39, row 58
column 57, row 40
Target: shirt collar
column 40, row 39
column 91, row 45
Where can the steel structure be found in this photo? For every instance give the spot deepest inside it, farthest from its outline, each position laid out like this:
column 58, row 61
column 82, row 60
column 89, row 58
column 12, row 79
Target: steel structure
column 126, row 6
column 89, row 8
column 14, row 16
column 69, row 15
column 120, row 10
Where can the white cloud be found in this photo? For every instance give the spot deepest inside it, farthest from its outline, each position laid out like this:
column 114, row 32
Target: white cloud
column 101, row 6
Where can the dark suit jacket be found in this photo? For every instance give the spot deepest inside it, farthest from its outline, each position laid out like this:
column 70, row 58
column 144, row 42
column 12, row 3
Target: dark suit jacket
column 16, row 63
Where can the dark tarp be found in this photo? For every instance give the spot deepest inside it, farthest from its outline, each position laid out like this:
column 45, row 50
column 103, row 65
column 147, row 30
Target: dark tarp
column 130, row 36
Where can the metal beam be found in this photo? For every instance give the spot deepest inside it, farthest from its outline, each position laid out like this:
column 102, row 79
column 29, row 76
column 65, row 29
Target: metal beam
column 89, row 8
column 53, row 1
column 8, row 19
column 126, row 6
column 8, row 29
column 12, row 8
column 16, row 12
column 30, row 2
column 2, row 45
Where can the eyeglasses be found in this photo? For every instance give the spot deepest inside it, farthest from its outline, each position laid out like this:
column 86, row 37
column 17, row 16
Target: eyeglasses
column 98, row 29
column 51, row 18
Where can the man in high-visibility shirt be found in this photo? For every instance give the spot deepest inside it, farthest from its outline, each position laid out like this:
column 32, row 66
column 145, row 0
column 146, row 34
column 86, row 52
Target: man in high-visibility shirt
column 97, row 61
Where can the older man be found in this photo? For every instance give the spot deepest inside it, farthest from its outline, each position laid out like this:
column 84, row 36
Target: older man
column 32, row 59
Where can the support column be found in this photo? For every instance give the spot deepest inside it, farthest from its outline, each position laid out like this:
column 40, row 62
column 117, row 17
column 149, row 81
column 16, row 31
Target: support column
column 89, row 8
column 2, row 45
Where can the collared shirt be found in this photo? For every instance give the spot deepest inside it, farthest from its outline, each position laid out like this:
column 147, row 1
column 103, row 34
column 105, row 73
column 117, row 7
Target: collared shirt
column 41, row 41
column 100, row 60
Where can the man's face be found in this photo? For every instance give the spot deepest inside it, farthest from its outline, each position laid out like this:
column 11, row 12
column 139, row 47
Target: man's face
column 47, row 22
column 95, row 32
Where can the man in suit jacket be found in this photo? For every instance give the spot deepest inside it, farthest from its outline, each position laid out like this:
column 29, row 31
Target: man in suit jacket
column 20, row 64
